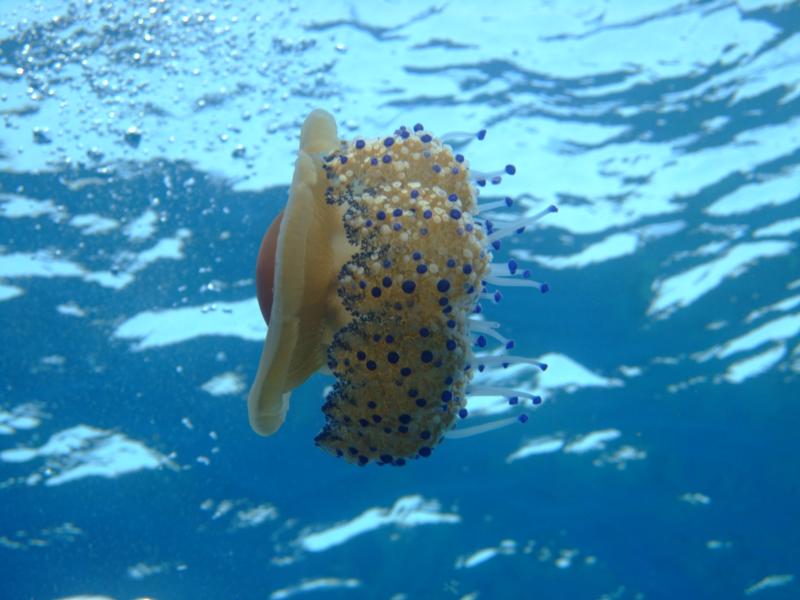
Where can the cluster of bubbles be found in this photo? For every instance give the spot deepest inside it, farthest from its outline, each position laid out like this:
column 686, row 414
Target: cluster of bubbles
column 102, row 81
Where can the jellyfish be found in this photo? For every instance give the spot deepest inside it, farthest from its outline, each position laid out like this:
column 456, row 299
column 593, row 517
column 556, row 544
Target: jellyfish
column 373, row 273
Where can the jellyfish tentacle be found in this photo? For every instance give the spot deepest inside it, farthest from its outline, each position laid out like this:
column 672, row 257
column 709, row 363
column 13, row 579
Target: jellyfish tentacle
column 455, row 434
column 518, row 282
column 461, row 137
column 493, row 390
column 506, row 202
column 506, row 360
column 519, row 226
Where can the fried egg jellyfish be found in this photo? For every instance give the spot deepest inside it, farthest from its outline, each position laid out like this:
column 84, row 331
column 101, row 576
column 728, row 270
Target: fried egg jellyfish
column 372, row 273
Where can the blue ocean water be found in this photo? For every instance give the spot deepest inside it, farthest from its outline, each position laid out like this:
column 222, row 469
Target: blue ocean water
column 146, row 147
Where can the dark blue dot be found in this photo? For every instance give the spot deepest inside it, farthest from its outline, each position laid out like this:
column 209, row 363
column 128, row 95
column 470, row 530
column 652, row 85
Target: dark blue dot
column 522, row 418
column 437, row 169
column 402, row 429
column 443, row 285
column 376, row 337
column 405, row 371
column 424, row 332
column 443, row 301
column 451, row 324
column 421, row 269
column 426, row 356
column 421, row 402
column 427, row 214
column 363, row 422
column 376, row 292
column 386, row 458
column 416, row 255
column 511, row 169
column 481, row 341
column 361, row 355
column 387, row 263
column 387, row 158
column 368, row 223
column 463, row 413
column 397, row 227
column 414, row 193
column 455, row 213
column 447, row 395
column 451, row 263
column 352, row 450
column 426, row 138
column 413, row 393
column 409, row 286
column 372, row 404
column 418, row 127
column 343, row 159
column 397, row 212
column 425, row 435
column 448, row 381
column 393, row 357
column 467, row 269
column 376, row 419
column 459, row 158
column 452, row 198
column 451, row 345
column 388, row 142
column 362, row 284
column 405, row 419
column 381, row 215
column 425, row 451
column 373, row 161
column 387, row 282
column 481, row 134
column 371, row 365
column 362, row 460
column 389, row 339
column 360, row 144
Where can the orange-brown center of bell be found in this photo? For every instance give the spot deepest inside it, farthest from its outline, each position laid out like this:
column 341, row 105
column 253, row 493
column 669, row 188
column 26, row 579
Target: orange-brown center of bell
column 265, row 268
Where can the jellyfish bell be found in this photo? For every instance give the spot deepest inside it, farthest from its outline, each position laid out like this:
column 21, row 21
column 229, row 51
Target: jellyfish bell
column 299, row 259
column 373, row 272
